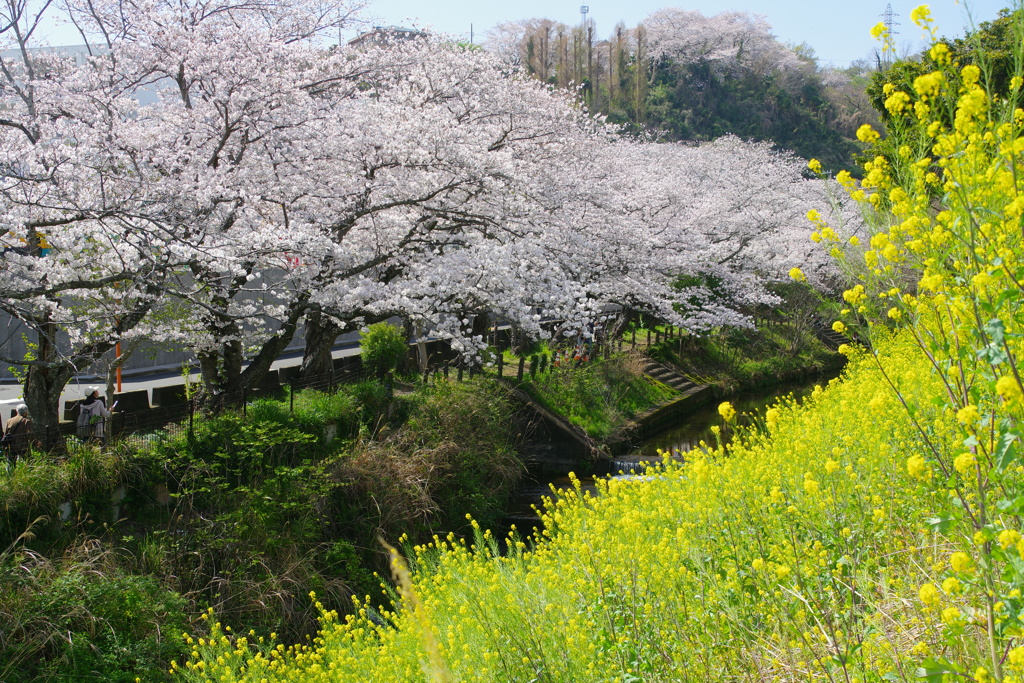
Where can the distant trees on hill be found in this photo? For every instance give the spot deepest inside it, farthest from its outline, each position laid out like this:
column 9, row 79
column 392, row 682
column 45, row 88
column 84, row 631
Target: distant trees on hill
column 691, row 77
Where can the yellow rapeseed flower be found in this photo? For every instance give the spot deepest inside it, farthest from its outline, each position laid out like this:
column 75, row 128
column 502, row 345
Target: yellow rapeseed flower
column 921, row 15
column 960, row 561
column 968, row 415
column 1008, row 537
column 950, row 615
column 1009, row 389
column 970, row 74
column 867, row 134
column 929, row 594
column 964, row 462
column 939, row 52
column 916, row 467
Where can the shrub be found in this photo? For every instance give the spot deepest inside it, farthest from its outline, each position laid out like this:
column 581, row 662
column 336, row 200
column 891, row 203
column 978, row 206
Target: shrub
column 454, row 455
column 383, row 347
column 86, row 620
column 316, row 409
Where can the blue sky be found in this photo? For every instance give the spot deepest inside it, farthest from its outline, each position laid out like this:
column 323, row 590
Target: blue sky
column 838, row 31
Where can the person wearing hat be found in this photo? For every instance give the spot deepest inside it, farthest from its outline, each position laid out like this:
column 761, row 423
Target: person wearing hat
column 92, row 415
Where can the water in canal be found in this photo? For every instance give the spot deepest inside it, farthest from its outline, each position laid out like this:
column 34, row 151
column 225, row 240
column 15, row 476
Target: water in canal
column 685, row 436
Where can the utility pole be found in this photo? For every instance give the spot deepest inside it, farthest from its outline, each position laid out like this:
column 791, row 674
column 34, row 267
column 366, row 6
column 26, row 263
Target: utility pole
column 584, row 36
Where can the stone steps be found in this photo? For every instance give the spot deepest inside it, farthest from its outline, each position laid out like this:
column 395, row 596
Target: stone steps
column 668, row 376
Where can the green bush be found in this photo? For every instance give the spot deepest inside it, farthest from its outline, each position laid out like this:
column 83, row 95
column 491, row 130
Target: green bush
column 86, row 622
column 316, row 410
column 37, row 485
column 383, row 347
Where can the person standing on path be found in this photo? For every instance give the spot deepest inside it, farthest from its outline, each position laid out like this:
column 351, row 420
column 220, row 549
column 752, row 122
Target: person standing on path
column 92, row 415
column 19, row 430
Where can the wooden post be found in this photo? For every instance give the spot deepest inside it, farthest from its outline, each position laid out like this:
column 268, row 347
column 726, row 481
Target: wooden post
column 460, row 373
column 634, row 337
column 522, row 366
column 501, row 362
column 648, row 338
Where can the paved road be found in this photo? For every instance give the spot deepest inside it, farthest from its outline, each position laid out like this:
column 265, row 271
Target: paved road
column 10, row 393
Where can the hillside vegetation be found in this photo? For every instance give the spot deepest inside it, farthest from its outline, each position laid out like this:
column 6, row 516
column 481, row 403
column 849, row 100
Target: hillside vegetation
column 681, row 75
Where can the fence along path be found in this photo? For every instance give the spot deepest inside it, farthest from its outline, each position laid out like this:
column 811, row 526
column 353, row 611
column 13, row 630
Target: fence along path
column 172, row 410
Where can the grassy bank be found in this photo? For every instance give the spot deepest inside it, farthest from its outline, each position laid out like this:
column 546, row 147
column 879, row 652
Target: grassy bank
column 734, row 359
column 601, row 396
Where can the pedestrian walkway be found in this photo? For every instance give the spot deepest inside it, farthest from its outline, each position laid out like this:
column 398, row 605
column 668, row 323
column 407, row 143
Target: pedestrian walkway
column 11, row 394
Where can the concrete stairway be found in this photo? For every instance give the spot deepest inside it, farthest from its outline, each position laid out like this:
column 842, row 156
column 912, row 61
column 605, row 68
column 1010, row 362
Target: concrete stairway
column 669, row 376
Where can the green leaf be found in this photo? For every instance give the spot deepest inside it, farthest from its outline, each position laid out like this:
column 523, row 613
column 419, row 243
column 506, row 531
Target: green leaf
column 1011, row 507
column 941, row 523
column 1006, row 450
column 995, row 330
column 935, row 669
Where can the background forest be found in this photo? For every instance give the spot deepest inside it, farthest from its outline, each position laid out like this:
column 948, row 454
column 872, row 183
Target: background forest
column 684, row 76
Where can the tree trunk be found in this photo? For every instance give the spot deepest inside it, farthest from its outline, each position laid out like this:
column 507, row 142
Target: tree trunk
column 622, row 320
column 422, row 358
column 321, row 333
column 45, row 383
column 43, row 387
column 224, row 374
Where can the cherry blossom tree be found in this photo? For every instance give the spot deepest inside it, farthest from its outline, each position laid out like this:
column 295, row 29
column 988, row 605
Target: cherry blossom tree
column 719, row 222
column 111, row 197
column 80, row 261
column 728, row 39
column 212, row 175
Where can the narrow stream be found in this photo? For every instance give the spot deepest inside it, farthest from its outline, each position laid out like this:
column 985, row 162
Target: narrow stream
column 685, row 436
